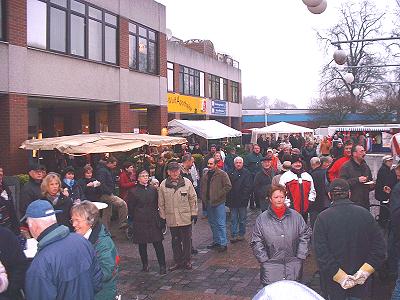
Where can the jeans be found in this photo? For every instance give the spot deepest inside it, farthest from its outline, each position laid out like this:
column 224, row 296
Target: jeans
column 396, row 291
column 217, row 220
column 238, row 221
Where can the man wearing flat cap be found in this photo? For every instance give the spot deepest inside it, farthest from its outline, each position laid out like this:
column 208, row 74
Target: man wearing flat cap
column 177, row 201
column 31, row 190
column 348, row 244
column 263, row 180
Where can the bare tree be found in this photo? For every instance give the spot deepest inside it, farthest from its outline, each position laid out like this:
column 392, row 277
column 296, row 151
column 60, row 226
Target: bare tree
column 252, row 102
column 386, row 109
column 357, row 22
column 332, row 110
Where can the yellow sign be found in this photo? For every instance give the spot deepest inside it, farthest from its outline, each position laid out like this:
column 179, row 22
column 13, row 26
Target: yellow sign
column 186, row 104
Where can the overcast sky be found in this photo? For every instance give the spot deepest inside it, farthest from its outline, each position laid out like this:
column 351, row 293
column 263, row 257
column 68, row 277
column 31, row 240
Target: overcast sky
column 273, row 40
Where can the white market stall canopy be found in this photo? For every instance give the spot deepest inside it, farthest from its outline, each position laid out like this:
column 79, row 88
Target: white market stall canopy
column 100, row 142
column 208, row 129
column 279, row 128
column 372, row 127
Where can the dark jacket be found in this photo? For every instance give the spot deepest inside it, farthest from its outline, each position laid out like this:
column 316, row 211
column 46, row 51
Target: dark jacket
column 262, row 184
column 65, row 267
column 143, row 208
column 359, row 191
column 385, row 177
column 220, row 185
column 15, row 263
column 8, row 216
column 394, row 206
column 322, row 200
column 242, row 184
column 91, row 193
column 252, row 162
column 108, row 259
column 307, row 154
column 280, row 245
column 75, row 191
column 229, row 165
column 106, row 178
column 346, row 236
column 30, row 192
column 65, row 204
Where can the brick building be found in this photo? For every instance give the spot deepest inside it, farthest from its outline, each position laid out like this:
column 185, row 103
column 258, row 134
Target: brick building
column 73, row 66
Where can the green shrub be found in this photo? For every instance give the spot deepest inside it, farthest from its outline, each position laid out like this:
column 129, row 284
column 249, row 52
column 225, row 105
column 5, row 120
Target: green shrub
column 23, row 178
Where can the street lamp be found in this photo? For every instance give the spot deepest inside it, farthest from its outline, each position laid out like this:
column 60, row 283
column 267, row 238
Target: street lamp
column 356, row 92
column 267, row 110
column 319, row 9
column 348, row 77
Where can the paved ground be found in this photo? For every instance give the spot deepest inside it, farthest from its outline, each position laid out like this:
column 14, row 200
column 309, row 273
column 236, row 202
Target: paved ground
column 230, row 275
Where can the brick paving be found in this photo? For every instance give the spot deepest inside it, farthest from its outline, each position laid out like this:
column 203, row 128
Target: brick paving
column 221, row 276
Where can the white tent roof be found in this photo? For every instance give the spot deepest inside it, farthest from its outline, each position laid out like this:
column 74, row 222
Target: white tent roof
column 208, row 129
column 283, row 127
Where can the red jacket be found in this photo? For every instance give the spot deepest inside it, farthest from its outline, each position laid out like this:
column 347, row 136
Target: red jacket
column 126, row 183
column 334, row 170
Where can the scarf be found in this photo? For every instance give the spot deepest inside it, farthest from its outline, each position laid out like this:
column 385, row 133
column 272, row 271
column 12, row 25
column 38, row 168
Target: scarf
column 279, row 211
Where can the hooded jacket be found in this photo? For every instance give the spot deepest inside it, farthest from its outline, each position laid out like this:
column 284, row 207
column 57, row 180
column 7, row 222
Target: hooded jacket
column 65, row 267
column 280, row 245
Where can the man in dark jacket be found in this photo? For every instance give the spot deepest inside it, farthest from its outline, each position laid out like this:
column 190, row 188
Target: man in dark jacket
column 238, row 199
column 107, row 190
column 394, row 232
column 348, row 245
column 308, row 152
column 15, row 263
column 385, row 181
column 215, row 185
column 262, row 182
column 359, row 177
column 252, row 162
column 322, row 200
column 8, row 216
column 65, row 266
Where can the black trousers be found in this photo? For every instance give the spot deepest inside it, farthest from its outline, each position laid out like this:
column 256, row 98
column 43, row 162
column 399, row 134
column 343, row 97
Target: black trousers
column 182, row 244
column 158, row 247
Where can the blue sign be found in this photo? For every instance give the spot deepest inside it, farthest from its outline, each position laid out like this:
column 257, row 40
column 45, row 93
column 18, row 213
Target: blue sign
column 218, row 107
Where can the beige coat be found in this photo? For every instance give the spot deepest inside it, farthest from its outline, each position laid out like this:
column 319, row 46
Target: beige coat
column 177, row 204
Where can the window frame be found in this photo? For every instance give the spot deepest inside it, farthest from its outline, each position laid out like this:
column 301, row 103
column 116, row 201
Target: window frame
column 192, row 74
column 69, row 12
column 137, row 36
column 170, row 67
column 235, row 86
column 214, row 87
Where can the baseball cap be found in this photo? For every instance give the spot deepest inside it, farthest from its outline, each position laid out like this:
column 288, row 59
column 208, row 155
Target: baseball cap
column 40, row 209
column 267, row 157
column 173, row 165
column 387, row 158
column 36, row 166
column 339, row 185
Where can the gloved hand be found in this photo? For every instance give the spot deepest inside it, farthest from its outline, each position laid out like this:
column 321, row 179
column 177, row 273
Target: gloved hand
column 346, row 281
column 193, row 219
column 96, row 183
column 363, row 273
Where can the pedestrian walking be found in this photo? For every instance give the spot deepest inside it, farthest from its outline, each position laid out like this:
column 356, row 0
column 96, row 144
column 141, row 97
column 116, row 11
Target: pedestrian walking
column 215, row 185
column 252, row 162
column 147, row 224
column 238, row 199
column 280, row 240
column 177, row 202
column 348, row 245
column 262, row 182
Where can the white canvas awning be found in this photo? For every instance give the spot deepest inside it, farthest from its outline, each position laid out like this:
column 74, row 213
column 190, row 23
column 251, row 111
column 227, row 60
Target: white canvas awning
column 100, row 142
column 208, row 129
column 279, row 128
column 361, row 128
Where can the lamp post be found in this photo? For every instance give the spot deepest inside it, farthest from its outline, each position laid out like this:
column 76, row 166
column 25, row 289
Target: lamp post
column 266, row 112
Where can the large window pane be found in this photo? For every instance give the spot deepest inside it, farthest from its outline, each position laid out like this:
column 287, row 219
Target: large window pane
column 78, row 6
column 170, row 80
column 95, row 13
column 142, row 54
column 58, row 29
column 132, row 52
column 77, row 35
column 152, row 58
column 110, row 19
column 186, row 83
column 95, row 40
column 142, row 31
column 110, row 45
column 36, row 23
column 132, row 27
column 152, row 35
column 62, row 3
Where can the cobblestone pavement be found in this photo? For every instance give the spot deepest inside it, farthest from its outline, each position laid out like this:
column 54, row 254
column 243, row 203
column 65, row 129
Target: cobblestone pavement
column 230, row 275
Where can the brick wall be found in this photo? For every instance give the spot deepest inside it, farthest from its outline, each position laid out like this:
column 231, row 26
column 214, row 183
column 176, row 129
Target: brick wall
column 176, row 77
column 120, row 118
column 16, row 22
column 13, row 131
column 162, row 42
column 123, row 43
column 157, row 118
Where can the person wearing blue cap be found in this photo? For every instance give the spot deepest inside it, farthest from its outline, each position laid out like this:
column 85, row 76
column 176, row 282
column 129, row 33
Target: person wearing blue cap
column 65, row 266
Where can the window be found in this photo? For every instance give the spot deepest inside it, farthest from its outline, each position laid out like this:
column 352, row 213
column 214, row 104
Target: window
column 72, row 27
column 235, row 91
column 189, row 81
column 201, row 84
column 170, row 76
column 2, row 12
column 214, row 87
column 223, row 89
column 143, row 49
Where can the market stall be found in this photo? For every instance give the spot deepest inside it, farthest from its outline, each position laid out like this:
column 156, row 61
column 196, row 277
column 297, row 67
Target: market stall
column 280, row 128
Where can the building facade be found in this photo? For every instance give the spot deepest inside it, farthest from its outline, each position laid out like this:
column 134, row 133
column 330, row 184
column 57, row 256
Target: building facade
column 202, row 84
column 79, row 66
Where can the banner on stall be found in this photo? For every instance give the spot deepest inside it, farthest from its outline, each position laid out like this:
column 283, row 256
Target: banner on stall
column 186, row 104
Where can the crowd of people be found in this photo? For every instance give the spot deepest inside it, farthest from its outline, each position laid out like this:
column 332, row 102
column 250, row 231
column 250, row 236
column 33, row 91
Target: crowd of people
column 304, row 193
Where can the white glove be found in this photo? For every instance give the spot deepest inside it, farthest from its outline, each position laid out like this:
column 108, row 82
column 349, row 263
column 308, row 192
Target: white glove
column 361, row 276
column 96, row 183
column 348, row 282
column 4, row 195
column 3, row 279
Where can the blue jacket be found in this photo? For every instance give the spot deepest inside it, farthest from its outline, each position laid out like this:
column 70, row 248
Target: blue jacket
column 105, row 176
column 64, row 268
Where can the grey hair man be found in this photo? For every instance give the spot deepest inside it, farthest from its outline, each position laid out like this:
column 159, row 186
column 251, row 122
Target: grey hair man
column 315, row 162
column 65, row 264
